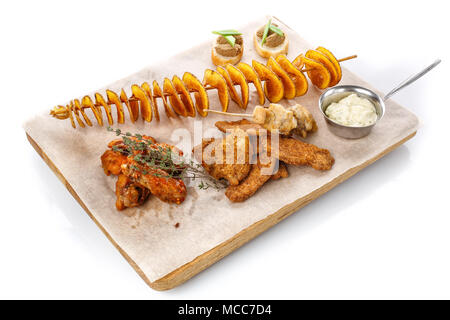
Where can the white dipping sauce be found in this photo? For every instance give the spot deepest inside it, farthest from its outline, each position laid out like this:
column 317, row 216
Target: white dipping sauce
column 352, row 111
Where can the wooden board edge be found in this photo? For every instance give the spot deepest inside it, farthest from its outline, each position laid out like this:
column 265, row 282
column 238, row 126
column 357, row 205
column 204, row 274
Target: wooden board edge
column 190, row 269
column 75, row 195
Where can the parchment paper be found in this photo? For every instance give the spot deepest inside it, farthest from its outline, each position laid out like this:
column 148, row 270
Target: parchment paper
column 206, row 218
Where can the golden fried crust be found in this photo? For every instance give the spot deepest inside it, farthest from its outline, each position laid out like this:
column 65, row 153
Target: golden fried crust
column 282, row 172
column 244, row 124
column 112, row 162
column 299, row 153
column 159, row 183
column 233, row 173
column 248, row 187
column 129, row 194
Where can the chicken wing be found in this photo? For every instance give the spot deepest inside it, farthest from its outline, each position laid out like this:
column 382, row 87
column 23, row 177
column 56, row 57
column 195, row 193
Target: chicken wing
column 129, row 194
column 159, row 182
column 112, row 162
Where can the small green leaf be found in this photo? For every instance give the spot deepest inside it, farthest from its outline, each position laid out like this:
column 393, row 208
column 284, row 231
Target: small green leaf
column 276, row 30
column 266, row 32
column 231, row 40
column 229, row 32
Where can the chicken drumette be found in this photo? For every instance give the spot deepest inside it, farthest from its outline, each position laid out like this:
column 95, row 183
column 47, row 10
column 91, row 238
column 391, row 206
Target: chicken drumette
column 136, row 180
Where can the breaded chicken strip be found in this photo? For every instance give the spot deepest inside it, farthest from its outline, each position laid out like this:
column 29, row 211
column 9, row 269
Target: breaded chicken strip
column 218, row 166
column 282, row 172
column 299, row 153
column 291, row 151
column 249, row 185
column 243, row 124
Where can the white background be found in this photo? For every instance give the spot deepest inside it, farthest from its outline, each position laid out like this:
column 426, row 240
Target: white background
column 385, row 233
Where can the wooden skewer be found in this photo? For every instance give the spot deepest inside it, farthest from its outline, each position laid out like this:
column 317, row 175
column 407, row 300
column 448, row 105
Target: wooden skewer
column 133, row 99
column 348, row 58
column 340, row 60
column 246, row 115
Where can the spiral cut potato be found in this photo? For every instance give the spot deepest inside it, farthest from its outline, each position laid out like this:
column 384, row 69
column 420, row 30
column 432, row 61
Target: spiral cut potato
column 282, row 79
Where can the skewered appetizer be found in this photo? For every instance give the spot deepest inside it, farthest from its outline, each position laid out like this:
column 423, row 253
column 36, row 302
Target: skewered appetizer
column 276, row 118
column 270, row 41
column 227, row 48
column 282, row 79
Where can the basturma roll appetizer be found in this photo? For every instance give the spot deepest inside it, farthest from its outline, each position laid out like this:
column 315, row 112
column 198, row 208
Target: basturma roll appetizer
column 270, row 41
column 227, row 48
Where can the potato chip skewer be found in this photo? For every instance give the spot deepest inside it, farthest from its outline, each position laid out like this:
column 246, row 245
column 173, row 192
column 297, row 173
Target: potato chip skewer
column 279, row 78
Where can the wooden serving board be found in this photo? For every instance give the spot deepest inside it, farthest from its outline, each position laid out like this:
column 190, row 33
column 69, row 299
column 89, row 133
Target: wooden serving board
column 210, row 227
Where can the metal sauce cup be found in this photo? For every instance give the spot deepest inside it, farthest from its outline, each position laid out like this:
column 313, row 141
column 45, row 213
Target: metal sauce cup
column 338, row 93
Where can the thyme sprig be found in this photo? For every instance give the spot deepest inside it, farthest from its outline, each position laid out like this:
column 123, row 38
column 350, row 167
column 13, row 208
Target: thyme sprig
column 152, row 158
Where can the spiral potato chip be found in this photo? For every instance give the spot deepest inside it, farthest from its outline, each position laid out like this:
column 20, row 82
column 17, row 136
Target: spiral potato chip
column 323, row 59
column 215, row 80
column 114, row 99
column 153, row 103
column 301, row 84
column 184, row 96
column 233, row 93
column 334, row 61
column 158, row 93
column 87, row 103
column 200, row 95
column 237, row 77
column 298, row 61
column 319, row 76
column 144, row 101
column 273, row 87
column 288, row 84
column 174, row 99
column 251, row 76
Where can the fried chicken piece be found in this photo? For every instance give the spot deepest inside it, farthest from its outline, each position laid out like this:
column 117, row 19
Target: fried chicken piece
column 159, row 182
column 244, row 124
column 282, row 172
column 305, row 120
column 129, row 194
column 217, row 166
column 299, row 153
column 294, row 119
column 255, row 180
column 112, row 162
column 291, row 151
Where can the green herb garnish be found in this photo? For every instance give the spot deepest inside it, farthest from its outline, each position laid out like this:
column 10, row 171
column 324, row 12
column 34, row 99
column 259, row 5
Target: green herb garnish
column 229, row 32
column 276, row 30
column 151, row 159
column 228, row 35
column 266, row 32
column 231, row 40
